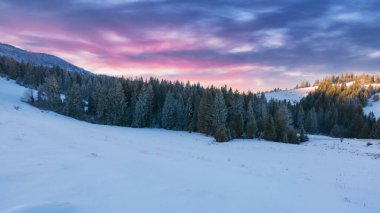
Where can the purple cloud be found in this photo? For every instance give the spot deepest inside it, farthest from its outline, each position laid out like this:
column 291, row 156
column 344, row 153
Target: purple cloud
column 239, row 43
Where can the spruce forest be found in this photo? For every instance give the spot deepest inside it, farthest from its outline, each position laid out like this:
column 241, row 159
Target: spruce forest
column 333, row 109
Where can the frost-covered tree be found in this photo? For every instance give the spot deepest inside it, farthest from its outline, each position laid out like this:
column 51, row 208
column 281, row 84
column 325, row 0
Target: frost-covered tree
column 143, row 108
column 251, row 126
column 117, row 104
column 48, row 93
column 73, row 105
column 311, row 123
column 261, row 112
column 219, row 111
column 101, row 101
column 283, row 121
column 303, row 136
column 181, row 113
column 28, row 96
column 168, row 115
column 236, row 123
column 91, row 106
column 188, row 113
column 300, row 117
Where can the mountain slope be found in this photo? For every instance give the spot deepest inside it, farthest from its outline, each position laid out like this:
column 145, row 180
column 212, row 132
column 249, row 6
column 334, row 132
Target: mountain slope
column 373, row 106
column 295, row 96
column 40, row 59
column 292, row 95
column 52, row 163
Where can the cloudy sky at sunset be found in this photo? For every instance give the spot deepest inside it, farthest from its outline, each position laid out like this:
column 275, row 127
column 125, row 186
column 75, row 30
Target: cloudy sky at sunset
column 249, row 45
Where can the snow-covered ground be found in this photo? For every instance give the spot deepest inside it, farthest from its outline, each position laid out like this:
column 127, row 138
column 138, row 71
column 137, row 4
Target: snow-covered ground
column 373, row 106
column 292, row 95
column 50, row 163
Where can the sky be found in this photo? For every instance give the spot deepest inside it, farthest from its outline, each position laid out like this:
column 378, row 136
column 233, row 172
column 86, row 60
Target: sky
column 248, row 45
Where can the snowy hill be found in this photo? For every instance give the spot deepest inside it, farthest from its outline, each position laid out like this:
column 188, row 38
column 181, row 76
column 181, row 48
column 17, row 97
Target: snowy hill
column 372, row 107
column 295, row 95
column 37, row 58
column 50, row 163
column 292, row 95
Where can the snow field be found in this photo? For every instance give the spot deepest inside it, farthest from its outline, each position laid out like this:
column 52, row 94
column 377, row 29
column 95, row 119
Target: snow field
column 52, row 163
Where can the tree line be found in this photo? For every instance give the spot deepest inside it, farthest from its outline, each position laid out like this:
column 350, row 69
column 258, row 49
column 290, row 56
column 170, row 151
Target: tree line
column 222, row 112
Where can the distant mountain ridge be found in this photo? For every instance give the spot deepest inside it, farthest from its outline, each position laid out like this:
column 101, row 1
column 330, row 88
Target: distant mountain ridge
column 40, row 59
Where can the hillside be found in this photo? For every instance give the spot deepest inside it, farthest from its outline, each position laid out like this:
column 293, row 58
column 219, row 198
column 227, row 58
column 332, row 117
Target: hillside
column 51, row 163
column 373, row 107
column 295, row 95
column 292, row 95
column 40, row 59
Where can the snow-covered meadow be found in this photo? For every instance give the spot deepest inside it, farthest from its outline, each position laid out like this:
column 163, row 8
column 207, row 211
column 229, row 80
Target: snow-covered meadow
column 292, row 95
column 50, row 163
column 373, row 106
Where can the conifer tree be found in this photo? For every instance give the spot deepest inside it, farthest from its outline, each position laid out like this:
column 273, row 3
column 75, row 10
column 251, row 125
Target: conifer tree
column 236, row 123
column 143, row 109
column 194, row 118
column 189, row 112
column 365, row 131
column 168, row 115
column 91, row 109
column 293, row 138
column 312, row 121
column 74, row 105
column 375, row 133
column 263, row 106
column 303, row 136
column 222, row 134
column 48, row 93
column 204, row 123
column 284, row 139
column 300, row 117
column 320, row 119
column 283, row 121
column 182, row 118
column 219, row 111
column 28, row 96
column 338, row 131
column 356, row 126
column 251, row 126
column 239, row 126
column 117, row 104
column 269, row 131
column 262, row 114
column 376, row 97
column 331, row 116
column 101, row 101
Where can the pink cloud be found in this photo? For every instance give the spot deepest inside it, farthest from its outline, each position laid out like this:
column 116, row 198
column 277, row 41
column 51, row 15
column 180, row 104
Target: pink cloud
column 180, row 53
